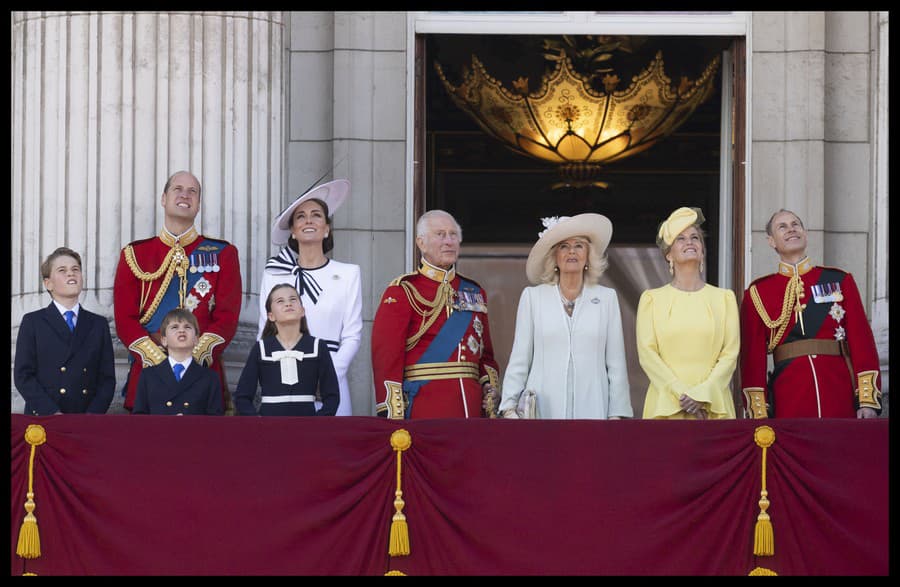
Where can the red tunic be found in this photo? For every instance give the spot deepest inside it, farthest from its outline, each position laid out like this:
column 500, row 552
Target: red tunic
column 810, row 385
column 468, row 365
column 214, row 297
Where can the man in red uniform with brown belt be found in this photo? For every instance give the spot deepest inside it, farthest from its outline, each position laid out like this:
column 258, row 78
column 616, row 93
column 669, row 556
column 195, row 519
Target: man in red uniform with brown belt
column 812, row 320
column 178, row 268
column 432, row 355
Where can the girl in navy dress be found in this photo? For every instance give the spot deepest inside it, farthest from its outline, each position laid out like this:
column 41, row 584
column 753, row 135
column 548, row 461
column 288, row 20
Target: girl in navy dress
column 291, row 367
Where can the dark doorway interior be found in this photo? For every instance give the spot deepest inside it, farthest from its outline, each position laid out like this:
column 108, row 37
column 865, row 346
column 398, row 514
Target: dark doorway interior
column 499, row 195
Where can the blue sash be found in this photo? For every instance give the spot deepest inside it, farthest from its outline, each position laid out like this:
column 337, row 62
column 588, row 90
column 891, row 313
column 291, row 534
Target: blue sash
column 442, row 345
column 169, row 300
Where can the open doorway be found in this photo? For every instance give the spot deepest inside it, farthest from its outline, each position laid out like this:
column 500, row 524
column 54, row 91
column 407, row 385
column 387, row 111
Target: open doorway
column 499, row 196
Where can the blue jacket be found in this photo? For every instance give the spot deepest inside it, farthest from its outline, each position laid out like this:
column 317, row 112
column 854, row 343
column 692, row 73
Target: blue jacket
column 198, row 393
column 57, row 370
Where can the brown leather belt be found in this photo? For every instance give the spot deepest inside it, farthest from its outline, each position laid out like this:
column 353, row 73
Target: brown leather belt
column 811, row 346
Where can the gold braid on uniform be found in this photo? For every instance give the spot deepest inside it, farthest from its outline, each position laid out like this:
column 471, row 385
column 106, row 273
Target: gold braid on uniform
column 427, row 309
column 176, row 261
column 792, row 294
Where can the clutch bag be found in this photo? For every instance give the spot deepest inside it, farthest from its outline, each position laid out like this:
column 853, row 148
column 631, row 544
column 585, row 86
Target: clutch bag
column 526, row 407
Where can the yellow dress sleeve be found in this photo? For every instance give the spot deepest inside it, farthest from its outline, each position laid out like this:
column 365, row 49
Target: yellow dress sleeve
column 665, row 387
column 714, row 390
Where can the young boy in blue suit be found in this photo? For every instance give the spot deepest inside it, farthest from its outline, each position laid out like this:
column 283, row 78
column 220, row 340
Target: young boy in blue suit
column 64, row 355
column 179, row 386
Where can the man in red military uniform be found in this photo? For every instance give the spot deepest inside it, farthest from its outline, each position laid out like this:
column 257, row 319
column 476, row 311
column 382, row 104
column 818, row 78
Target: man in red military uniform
column 178, row 268
column 812, row 320
column 432, row 355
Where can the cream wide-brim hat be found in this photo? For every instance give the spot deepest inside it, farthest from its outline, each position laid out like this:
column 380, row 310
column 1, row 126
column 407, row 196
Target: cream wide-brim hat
column 332, row 193
column 596, row 227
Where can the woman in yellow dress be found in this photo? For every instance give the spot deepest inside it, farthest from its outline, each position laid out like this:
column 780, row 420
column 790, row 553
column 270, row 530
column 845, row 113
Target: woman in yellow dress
column 688, row 335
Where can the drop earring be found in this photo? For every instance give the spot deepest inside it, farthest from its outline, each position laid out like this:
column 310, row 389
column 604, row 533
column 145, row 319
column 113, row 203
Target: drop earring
column 671, row 268
column 701, row 266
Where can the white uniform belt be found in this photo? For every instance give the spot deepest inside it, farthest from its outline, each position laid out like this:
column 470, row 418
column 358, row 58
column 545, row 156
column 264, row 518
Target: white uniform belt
column 283, row 399
column 429, row 371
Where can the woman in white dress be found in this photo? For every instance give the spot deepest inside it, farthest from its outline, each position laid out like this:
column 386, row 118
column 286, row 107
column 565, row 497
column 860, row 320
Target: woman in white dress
column 569, row 347
column 330, row 290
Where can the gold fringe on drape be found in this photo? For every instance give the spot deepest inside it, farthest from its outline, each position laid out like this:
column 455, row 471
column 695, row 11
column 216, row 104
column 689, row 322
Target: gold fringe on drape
column 399, row 542
column 764, row 537
column 29, row 545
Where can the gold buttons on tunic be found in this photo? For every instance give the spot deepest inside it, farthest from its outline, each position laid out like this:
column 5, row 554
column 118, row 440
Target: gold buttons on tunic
column 169, row 404
column 186, row 404
column 62, row 390
column 83, row 392
column 63, row 368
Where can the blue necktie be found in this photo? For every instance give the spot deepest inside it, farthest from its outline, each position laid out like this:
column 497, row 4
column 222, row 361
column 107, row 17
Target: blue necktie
column 70, row 319
column 179, row 370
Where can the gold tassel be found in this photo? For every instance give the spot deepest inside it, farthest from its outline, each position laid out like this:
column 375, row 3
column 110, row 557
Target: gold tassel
column 764, row 536
column 399, row 543
column 29, row 545
column 762, row 572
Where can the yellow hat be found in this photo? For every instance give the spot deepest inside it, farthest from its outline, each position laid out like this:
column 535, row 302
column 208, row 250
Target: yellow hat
column 677, row 221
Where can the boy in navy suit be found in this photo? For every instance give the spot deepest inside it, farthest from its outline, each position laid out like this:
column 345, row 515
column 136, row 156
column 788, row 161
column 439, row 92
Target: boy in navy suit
column 180, row 385
column 64, row 354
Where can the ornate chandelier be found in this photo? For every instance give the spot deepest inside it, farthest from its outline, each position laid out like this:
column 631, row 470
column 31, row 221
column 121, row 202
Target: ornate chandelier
column 569, row 123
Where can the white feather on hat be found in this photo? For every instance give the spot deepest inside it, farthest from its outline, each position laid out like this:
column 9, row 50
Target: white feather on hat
column 332, row 193
column 597, row 228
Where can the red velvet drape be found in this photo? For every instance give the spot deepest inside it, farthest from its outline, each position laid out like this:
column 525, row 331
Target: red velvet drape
column 159, row 495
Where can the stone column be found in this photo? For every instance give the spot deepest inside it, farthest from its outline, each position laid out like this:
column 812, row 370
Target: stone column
column 105, row 105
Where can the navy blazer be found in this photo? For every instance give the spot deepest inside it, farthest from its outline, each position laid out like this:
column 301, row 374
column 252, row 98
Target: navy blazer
column 198, row 393
column 57, row 370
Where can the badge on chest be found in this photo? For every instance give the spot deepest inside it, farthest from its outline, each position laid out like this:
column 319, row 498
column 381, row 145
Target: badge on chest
column 827, row 292
column 469, row 301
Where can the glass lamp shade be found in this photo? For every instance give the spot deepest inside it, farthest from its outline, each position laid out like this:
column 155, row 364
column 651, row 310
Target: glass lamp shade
column 569, row 123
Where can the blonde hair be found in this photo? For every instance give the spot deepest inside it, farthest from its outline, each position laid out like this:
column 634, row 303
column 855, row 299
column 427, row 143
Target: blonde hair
column 596, row 264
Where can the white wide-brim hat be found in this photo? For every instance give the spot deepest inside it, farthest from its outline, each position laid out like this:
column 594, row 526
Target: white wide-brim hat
column 332, row 193
column 595, row 227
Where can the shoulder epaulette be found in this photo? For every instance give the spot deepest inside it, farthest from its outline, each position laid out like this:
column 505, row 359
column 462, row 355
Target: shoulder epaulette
column 215, row 240
column 838, row 269
column 142, row 241
column 468, row 279
column 759, row 279
column 398, row 279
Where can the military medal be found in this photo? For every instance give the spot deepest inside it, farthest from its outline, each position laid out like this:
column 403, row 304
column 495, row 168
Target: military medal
column 478, row 326
column 837, row 312
column 191, row 302
column 827, row 292
column 202, row 287
column 840, row 333
column 215, row 266
column 207, row 266
column 193, row 268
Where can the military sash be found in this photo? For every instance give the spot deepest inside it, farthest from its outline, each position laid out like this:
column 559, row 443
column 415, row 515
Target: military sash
column 441, row 346
column 204, row 258
column 813, row 318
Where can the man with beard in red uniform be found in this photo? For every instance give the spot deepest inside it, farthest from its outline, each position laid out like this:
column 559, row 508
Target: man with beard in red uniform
column 812, row 320
column 432, row 355
column 178, row 268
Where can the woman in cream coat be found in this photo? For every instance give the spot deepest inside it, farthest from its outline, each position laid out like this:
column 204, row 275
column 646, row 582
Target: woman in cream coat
column 688, row 335
column 568, row 345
